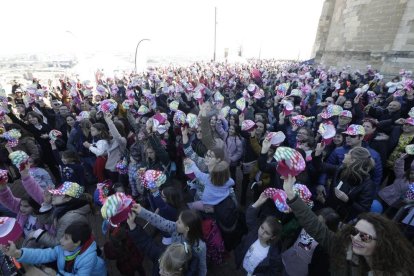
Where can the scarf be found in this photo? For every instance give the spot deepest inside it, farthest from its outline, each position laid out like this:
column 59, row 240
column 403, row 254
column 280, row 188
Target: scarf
column 70, row 256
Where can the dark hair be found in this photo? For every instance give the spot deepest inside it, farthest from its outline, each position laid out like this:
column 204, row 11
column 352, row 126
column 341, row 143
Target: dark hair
column 120, row 127
column 275, row 228
column 36, row 115
column 173, row 196
column 220, row 174
column 79, row 231
column 331, row 218
column 192, row 220
column 32, row 203
column 73, row 117
column 104, row 135
column 71, row 156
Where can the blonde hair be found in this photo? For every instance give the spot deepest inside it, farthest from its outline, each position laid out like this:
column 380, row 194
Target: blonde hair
column 175, row 258
column 220, row 173
column 361, row 166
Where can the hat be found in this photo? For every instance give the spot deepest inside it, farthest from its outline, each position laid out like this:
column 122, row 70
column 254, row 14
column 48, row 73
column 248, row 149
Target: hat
column 234, row 111
column 142, row 110
column 218, row 97
column 101, row 90
column 259, row 94
column 225, row 111
column 174, row 105
column 279, row 197
column 409, row 121
column 288, row 107
column 54, row 134
column 299, row 120
column 127, row 103
column 303, row 192
column 409, row 149
column 179, row 118
column 355, row 130
column 241, row 104
column 82, row 115
column 331, row 110
column 10, row 230
column 296, row 93
column 346, row 113
column 108, row 106
column 290, row 161
column 116, row 208
column 122, row 166
column 4, row 176
column 12, row 136
column 71, row 189
column 152, row 179
column 19, row 158
column 248, row 125
column 192, row 120
column 327, row 131
column 411, row 113
column 114, row 89
column 276, row 138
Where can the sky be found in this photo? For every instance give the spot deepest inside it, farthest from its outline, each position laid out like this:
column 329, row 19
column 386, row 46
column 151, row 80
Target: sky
column 263, row 28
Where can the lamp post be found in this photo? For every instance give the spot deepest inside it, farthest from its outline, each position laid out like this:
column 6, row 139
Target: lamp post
column 215, row 32
column 136, row 52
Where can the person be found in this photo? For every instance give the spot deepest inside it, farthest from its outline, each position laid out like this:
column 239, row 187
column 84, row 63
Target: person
column 259, row 253
column 352, row 191
column 187, row 229
column 373, row 244
column 76, row 253
column 26, row 142
column 179, row 258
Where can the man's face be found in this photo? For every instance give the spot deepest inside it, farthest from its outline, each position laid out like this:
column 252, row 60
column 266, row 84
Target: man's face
column 393, row 107
column 63, row 110
column 353, row 140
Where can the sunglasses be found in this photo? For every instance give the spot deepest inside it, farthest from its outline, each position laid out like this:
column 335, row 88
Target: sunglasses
column 351, row 136
column 363, row 236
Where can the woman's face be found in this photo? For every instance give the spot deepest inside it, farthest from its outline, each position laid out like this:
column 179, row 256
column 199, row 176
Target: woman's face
column 210, row 159
column 213, row 121
column 33, row 120
column 199, row 134
column 369, row 129
column 348, row 105
column 364, row 243
column 70, row 121
column 302, row 135
column 264, row 233
column 181, row 227
column 59, row 199
column 232, row 121
column 338, row 139
column 232, row 131
column 25, row 208
column 260, row 128
column 21, row 109
column 94, row 132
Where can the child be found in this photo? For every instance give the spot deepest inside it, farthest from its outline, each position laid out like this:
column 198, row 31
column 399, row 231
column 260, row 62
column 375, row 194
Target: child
column 76, row 254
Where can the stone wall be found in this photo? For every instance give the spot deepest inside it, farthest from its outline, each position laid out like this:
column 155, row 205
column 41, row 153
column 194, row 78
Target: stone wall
column 361, row 32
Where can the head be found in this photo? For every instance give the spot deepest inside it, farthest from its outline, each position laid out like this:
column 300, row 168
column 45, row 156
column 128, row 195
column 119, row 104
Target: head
column 150, row 154
column 260, row 128
column 220, row 173
column 303, row 134
column 34, row 118
column 234, row 120
column 70, row 120
column 76, row 234
column 329, row 100
column 233, row 131
column 189, row 224
column 60, row 199
column 259, row 117
column 348, row 104
column 63, row 110
column 199, row 133
column 370, row 126
column 172, row 196
column 175, row 259
column 28, row 206
column 344, row 120
column 70, row 157
column 99, row 131
column 21, row 109
column 358, row 165
column 353, row 140
column 338, row 139
column 214, row 156
column 213, row 121
column 393, row 106
column 85, row 124
column 329, row 217
column 269, row 231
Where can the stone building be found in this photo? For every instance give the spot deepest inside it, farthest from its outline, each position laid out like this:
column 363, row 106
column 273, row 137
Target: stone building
column 361, row 32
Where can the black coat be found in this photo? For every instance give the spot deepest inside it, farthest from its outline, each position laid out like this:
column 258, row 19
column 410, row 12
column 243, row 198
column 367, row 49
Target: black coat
column 272, row 264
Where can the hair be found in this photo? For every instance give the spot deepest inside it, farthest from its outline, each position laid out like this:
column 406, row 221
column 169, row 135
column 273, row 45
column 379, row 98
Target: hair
column 331, row 218
column 372, row 121
column 275, row 228
column 79, row 231
column 393, row 253
column 85, row 123
column 192, row 220
column 36, row 115
column 220, row 174
column 71, row 156
column 218, row 152
column 173, row 196
column 32, row 203
column 104, row 134
column 360, row 168
column 73, row 117
column 176, row 258
column 121, row 128
column 236, row 119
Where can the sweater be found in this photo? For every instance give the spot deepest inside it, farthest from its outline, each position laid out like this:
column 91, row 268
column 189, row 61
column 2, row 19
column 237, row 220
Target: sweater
column 116, row 147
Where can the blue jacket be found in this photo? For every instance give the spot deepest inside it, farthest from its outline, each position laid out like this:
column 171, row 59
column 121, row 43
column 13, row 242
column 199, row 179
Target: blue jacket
column 338, row 155
column 87, row 263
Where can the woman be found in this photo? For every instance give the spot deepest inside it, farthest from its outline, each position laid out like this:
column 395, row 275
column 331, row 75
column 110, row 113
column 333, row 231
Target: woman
column 377, row 141
column 373, row 245
column 67, row 127
column 186, row 229
column 258, row 252
column 352, row 190
column 40, row 132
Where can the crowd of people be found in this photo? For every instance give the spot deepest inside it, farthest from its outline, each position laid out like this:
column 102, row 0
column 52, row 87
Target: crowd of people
column 293, row 169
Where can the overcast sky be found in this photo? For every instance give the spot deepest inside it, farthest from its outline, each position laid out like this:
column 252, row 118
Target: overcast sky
column 273, row 28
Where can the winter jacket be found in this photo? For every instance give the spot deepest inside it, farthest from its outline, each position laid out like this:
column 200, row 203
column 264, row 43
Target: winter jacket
column 170, row 227
column 12, row 203
column 338, row 155
column 234, row 145
column 86, row 264
column 272, row 264
column 116, row 147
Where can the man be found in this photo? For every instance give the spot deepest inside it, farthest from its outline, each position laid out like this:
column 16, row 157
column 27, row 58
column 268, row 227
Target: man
column 354, row 136
column 344, row 119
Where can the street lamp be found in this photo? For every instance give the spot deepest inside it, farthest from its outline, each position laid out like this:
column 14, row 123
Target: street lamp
column 136, row 52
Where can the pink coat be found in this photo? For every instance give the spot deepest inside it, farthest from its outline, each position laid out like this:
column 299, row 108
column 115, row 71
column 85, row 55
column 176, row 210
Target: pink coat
column 13, row 204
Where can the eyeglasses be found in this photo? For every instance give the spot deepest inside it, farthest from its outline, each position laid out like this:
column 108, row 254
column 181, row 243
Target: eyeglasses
column 351, row 136
column 364, row 236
